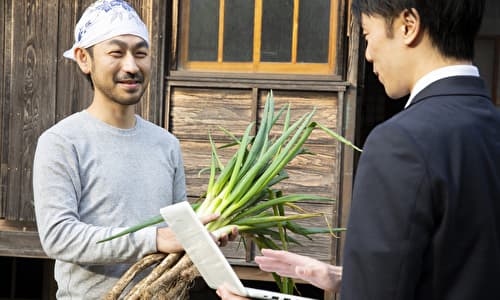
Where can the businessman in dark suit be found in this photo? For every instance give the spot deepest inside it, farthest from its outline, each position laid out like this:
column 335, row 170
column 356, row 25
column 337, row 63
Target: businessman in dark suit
column 425, row 215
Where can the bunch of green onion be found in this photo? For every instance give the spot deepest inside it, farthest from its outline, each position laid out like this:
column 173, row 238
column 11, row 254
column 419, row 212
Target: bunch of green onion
column 243, row 191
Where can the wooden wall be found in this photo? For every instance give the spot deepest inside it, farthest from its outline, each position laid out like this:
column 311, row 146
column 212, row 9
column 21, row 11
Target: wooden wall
column 194, row 109
column 38, row 87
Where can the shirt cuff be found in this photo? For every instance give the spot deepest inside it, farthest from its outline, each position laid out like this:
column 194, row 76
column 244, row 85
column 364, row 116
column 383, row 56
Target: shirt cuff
column 148, row 236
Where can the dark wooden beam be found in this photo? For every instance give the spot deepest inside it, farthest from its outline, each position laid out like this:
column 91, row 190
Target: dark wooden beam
column 496, row 71
column 21, row 244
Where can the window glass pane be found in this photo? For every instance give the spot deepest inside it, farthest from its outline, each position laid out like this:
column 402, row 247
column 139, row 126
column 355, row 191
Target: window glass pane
column 203, row 30
column 277, row 25
column 238, row 30
column 314, row 29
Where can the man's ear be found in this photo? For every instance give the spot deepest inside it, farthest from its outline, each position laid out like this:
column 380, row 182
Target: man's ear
column 410, row 26
column 83, row 60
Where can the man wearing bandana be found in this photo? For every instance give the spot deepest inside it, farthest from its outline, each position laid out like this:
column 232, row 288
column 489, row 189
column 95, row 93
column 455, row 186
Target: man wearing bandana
column 105, row 168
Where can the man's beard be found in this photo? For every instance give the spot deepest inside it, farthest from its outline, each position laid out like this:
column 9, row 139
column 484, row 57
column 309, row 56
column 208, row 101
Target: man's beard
column 126, row 98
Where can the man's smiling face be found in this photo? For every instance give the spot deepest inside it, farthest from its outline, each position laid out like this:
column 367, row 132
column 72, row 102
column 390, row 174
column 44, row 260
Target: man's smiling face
column 120, row 69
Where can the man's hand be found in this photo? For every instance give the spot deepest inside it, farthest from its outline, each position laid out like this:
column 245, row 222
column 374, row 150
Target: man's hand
column 319, row 274
column 167, row 242
column 225, row 238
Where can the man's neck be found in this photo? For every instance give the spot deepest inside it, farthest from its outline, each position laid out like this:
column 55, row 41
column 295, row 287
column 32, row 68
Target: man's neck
column 114, row 114
column 431, row 60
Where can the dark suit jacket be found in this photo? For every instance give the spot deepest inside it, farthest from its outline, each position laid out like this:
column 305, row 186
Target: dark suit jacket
column 425, row 215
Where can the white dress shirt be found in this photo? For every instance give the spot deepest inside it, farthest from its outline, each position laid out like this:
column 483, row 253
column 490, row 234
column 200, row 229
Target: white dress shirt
column 449, row 71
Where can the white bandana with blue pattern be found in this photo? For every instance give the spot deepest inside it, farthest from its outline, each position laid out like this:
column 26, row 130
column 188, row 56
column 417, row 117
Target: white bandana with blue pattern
column 106, row 19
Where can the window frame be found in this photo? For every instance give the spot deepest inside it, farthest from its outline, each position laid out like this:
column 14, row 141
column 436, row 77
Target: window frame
column 256, row 67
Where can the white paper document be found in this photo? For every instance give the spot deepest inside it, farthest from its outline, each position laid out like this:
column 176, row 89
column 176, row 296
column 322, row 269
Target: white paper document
column 207, row 256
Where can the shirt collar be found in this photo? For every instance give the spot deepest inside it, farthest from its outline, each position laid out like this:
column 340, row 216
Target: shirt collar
column 448, row 71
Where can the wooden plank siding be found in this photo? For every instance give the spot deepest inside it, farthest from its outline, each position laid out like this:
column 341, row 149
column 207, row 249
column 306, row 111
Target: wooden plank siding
column 3, row 84
column 28, row 70
column 38, row 87
column 196, row 111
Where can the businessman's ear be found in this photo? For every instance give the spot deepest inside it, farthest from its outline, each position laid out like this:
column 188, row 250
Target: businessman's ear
column 410, row 28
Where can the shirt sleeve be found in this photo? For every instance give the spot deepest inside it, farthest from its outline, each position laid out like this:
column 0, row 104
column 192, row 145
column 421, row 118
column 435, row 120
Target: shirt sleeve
column 390, row 222
column 179, row 189
column 57, row 190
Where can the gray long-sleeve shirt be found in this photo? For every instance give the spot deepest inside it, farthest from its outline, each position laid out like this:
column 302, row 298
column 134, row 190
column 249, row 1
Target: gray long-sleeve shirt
column 92, row 180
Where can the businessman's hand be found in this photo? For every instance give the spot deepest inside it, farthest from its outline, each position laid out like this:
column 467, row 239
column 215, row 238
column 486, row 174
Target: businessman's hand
column 284, row 263
column 226, row 294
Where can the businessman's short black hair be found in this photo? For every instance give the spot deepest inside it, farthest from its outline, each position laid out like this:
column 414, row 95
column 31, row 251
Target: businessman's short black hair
column 452, row 25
